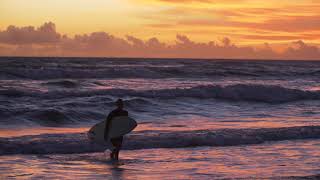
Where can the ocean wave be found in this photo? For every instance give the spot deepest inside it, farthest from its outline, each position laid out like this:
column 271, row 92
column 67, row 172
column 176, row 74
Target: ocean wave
column 63, row 83
column 238, row 92
column 79, row 73
column 142, row 72
column 65, row 112
column 78, row 142
column 78, row 68
column 50, row 117
column 13, row 93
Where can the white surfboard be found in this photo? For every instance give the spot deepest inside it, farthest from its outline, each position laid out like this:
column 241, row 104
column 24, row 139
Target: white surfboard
column 119, row 126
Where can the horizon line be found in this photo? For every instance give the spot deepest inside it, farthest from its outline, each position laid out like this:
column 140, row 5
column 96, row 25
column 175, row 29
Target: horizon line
column 158, row 58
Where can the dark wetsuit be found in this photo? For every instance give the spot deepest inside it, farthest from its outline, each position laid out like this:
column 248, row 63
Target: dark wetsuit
column 116, row 142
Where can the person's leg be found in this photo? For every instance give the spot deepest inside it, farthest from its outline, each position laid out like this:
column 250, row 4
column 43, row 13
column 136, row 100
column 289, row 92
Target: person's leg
column 117, row 142
column 117, row 150
column 116, row 154
column 114, row 144
column 106, row 152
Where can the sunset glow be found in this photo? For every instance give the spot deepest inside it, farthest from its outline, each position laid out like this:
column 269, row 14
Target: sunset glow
column 245, row 23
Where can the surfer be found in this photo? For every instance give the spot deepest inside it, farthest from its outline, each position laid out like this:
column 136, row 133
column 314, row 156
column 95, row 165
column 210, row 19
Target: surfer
column 117, row 141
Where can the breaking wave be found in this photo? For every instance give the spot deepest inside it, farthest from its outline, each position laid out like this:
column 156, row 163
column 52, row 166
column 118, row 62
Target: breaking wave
column 63, row 83
column 238, row 92
column 50, row 117
column 77, row 68
column 78, row 143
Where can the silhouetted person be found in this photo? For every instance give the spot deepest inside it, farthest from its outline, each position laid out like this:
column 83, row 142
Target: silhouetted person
column 117, row 141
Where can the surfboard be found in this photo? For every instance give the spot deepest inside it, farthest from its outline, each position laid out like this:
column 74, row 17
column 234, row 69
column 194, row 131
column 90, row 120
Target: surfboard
column 119, row 126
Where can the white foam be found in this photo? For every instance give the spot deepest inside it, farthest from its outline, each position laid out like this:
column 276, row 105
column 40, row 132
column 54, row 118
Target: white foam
column 78, row 142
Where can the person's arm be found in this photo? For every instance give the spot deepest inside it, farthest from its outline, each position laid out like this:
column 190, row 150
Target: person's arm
column 108, row 120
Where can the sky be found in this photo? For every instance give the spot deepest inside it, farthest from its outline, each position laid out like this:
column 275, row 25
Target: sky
column 277, row 29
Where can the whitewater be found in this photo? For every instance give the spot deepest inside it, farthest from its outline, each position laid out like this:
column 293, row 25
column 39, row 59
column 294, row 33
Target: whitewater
column 208, row 119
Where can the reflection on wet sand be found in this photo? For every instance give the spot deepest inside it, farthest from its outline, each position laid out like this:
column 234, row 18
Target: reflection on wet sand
column 281, row 159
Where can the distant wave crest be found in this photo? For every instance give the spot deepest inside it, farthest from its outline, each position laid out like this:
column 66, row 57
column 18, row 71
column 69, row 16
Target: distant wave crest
column 78, row 143
column 238, row 92
column 63, row 83
column 78, row 68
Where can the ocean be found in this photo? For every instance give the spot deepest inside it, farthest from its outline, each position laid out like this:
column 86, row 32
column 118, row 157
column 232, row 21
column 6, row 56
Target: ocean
column 198, row 119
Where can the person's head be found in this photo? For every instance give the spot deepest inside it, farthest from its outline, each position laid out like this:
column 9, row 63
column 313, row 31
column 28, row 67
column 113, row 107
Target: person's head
column 119, row 103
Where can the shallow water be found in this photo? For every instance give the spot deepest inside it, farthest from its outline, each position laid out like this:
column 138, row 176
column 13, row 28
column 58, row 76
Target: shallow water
column 281, row 159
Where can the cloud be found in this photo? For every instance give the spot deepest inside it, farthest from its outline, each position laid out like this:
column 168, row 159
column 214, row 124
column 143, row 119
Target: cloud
column 301, row 50
column 273, row 37
column 190, row 1
column 28, row 35
column 45, row 41
column 289, row 17
column 286, row 23
column 184, row 1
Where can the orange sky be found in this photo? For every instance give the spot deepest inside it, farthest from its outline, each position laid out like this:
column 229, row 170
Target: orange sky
column 245, row 22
